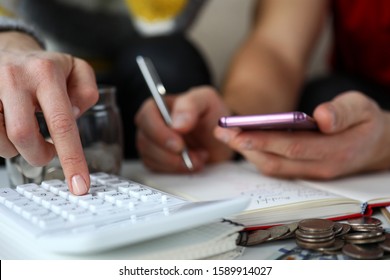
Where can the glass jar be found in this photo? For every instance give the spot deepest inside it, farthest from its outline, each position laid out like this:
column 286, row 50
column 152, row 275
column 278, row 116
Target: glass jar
column 101, row 135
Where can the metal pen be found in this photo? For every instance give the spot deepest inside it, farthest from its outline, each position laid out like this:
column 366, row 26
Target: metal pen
column 158, row 90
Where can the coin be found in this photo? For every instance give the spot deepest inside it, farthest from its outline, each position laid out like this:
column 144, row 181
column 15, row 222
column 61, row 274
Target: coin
column 337, row 228
column 367, row 240
column 257, row 237
column 293, row 226
column 316, row 225
column 385, row 245
column 366, row 228
column 345, row 229
column 337, row 245
column 314, row 235
column 277, row 232
column 14, row 172
column 54, row 173
column 31, row 172
column 316, row 240
column 363, row 235
column 102, row 157
column 368, row 221
column 363, row 252
column 309, row 245
column 291, row 233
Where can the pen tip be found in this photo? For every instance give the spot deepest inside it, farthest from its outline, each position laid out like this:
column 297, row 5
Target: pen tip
column 187, row 160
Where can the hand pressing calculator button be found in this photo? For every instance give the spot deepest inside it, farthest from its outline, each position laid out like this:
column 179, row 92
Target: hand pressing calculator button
column 115, row 212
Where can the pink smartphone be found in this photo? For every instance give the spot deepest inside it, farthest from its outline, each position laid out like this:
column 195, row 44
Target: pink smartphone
column 279, row 121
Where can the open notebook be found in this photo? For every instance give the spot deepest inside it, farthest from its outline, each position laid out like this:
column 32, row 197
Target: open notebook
column 276, row 201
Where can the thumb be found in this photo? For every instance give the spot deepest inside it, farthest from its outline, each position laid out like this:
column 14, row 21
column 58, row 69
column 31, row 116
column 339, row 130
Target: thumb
column 189, row 107
column 346, row 110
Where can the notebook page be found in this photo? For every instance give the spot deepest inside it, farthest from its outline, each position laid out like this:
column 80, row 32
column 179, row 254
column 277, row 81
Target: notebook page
column 235, row 179
column 371, row 188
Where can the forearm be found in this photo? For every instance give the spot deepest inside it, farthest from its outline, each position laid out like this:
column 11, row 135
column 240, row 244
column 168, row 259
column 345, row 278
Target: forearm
column 267, row 72
column 260, row 80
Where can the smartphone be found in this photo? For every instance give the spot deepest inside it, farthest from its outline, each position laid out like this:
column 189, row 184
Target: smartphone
column 279, row 121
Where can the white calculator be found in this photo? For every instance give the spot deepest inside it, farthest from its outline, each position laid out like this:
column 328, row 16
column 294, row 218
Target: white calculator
column 116, row 212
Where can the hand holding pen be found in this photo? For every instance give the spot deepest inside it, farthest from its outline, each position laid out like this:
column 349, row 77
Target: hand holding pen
column 158, row 90
column 183, row 125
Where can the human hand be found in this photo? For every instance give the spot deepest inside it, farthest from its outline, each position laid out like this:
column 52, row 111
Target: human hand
column 354, row 137
column 195, row 115
column 59, row 85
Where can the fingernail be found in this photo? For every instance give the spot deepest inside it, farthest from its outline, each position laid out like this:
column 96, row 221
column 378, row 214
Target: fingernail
column 179, row 120
column 78, row 184
column 173, row 145
column 76, row 111
column 246, row 144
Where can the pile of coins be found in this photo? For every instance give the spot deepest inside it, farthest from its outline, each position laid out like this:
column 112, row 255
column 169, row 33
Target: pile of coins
column 255, row 237
column 361, row 238
column 318, row 234
column 103, row 157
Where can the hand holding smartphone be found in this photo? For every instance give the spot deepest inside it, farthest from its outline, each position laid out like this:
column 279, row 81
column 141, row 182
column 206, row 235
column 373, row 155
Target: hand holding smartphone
column 278, row 121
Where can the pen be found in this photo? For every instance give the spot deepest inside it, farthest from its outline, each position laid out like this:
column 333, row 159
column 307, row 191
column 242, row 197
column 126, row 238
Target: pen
column 158, row 90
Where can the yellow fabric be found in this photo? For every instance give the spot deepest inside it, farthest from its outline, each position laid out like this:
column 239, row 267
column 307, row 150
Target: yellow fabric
column 155, row 10
column 100, row 65
column 5, row 12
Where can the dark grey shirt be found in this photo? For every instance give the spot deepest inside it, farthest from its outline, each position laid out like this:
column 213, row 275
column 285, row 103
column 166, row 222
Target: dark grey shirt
column 89, row 28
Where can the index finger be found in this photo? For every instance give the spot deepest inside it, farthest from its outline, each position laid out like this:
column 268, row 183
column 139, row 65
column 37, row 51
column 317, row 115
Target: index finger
column 57, row 109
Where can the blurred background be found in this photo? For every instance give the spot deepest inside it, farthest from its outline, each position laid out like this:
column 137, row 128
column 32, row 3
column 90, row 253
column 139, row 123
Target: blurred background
column 222, row 25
